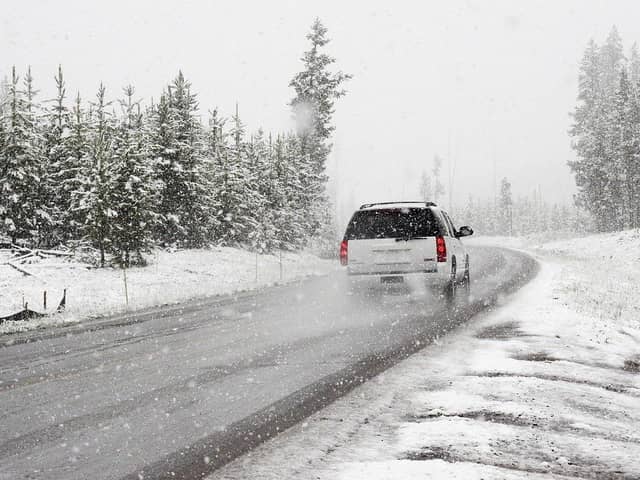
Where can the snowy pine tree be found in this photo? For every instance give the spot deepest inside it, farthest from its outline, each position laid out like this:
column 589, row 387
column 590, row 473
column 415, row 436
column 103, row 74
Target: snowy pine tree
column 625, row 149
column 263, row 237
column 134, row 190
column 438, row 187
column 316, row 90
column 233, row 220
column 96, row 192
column 41, row 197
column 426, row 192
column 606, row 135
column 73, row 173
column 628, row 148
column 303, row 197
column 589, row 140
column 505, row 206
column 215, row 145
column 21, row 159
column 60, row 181
column 241, row 220
column 288, row 218
column 177, row 148
column 160, row 138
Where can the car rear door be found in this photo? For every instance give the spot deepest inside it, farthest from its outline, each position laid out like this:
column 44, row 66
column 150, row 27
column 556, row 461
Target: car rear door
column 456, row 246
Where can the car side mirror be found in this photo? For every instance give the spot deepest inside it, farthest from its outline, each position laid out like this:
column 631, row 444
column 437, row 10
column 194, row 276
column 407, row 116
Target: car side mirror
column 464, row 232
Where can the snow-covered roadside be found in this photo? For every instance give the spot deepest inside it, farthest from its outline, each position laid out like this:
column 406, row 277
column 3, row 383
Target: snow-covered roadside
column 546, row 386
column 169, row 278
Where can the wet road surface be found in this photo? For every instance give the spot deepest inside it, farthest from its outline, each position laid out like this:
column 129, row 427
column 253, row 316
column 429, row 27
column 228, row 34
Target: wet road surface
column 177, row 392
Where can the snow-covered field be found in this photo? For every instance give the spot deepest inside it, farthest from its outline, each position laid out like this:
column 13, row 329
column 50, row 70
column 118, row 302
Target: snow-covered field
column 170, row 277
column 545, row 386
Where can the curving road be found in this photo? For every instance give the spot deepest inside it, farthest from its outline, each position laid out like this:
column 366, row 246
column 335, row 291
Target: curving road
column 177, row 392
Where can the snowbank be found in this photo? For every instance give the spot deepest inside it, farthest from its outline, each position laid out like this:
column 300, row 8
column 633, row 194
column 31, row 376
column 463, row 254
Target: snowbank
column 547, row 386
column 170, row 277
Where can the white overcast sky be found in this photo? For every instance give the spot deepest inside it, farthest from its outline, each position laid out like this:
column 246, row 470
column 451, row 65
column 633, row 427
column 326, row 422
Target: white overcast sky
column 481, row 83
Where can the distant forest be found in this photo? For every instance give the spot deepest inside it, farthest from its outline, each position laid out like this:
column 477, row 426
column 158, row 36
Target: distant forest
column 508, row 215
column 523, row 215
column 120, row 177
column 606, row 137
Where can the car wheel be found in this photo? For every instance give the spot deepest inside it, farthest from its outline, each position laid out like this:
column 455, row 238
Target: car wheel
column 451, row 289
column 465, row 285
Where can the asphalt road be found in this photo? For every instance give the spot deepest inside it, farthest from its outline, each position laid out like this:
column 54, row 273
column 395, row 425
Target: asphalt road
column 177, row 392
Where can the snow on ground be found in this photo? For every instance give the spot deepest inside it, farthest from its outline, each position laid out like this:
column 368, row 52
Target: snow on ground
column 547, row 386
column 170, row 277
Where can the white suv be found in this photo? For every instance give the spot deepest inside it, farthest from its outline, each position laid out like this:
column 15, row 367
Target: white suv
column 396, row 242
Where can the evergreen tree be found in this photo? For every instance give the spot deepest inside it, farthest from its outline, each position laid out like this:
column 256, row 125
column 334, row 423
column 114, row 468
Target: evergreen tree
column 468, row 212
column 234, row 220
column 505, row 213
column 634, row 66
column 285, row 191
column 61, row 172
column 215, row 145
column 612, row 71
column 628, row 149
column 160, row 138
column 438, row 187
column 74, row 173
column 611, row 60
column 4, row 93
column 261, row 197
column 240, row 213
column 556, row 220
column 40, row 198
column 589, row 139
column 606, row 135
column 21, row 164
column 632, row 142
column 133, row 187
column 316, row 90
column 178, row 150
column 426, row 192
column 96, row 195
column 304, row 198
column 625, row 147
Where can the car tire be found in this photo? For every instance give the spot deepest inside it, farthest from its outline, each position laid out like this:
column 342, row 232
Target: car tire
column 451, row 289
column 465, row 284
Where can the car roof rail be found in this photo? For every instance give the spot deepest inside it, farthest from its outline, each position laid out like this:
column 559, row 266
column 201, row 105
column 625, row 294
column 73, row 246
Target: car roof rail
column 368, row 205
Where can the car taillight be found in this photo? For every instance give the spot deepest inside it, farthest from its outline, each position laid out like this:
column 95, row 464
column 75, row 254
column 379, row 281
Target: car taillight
column 344, row 252
column 441, row 249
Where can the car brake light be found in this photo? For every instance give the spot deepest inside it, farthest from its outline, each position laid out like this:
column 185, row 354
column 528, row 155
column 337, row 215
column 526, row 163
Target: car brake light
column 441, row 249
column 344, row 252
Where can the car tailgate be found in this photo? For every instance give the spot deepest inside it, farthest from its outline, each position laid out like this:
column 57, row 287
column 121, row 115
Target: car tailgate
column 392, row 256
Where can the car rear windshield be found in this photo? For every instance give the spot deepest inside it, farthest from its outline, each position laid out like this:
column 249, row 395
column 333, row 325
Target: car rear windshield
column 392, row 223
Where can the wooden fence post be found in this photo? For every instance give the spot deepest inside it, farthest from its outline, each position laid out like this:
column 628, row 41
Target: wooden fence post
column 256, row 267
column 126, row 288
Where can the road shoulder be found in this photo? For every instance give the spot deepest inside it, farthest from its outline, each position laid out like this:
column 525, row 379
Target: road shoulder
column 171, row 280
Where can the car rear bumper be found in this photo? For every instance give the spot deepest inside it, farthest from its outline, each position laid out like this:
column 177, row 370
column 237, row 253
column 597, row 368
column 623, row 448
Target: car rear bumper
column 352, row 272
column 431, row 278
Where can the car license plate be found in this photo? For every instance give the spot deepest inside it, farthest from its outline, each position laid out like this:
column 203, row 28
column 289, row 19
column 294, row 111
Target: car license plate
column 394, row 279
